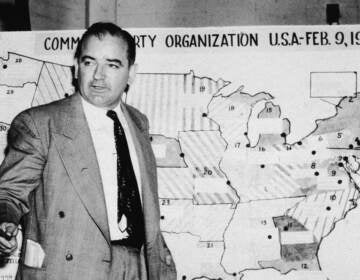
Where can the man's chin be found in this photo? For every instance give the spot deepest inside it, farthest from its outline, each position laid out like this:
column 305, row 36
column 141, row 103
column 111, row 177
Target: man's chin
column 105, row 104
column 100, row 101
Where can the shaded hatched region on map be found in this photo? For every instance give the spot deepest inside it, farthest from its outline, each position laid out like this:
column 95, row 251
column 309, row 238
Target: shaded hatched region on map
column 203, row 151
column 18, row 98
column 174, row 102
column 318, row 212
column 167, row 151
column 176, row 183
column 17, row 70
column 343, row 240
column 54, row 83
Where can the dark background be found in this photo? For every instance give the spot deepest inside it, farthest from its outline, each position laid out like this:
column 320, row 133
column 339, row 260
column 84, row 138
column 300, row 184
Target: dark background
column 78, row 14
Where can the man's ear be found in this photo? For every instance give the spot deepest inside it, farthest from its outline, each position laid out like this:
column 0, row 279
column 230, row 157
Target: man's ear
column 132, row 73
column 76, row 68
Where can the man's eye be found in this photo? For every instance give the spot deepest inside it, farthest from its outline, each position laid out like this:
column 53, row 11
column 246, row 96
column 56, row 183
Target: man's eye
column 88, row 62
column 114, row 66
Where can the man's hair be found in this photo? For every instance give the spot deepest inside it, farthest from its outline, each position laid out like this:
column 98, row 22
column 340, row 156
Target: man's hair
column 100, row 29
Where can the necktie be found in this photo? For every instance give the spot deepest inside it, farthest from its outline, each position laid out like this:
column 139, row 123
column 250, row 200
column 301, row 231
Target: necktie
column 130, row 215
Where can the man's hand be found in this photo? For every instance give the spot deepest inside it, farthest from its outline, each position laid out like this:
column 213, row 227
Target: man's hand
column 8, row 243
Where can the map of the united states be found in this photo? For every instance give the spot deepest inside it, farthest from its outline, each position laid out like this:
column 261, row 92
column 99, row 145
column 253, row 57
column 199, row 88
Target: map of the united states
column 235, row 195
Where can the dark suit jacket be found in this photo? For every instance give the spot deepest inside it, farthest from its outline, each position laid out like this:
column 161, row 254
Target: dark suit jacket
column 51, row 182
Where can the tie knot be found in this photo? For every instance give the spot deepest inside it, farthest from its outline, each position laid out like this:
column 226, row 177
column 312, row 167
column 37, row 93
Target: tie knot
column 112, row 115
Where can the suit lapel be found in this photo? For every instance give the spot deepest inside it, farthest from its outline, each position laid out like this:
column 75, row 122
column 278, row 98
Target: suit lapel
column 148, row 177
column 74, row 143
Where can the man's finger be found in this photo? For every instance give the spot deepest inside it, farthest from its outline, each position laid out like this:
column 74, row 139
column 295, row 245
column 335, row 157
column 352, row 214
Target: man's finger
column 15, row 231
column 5, row 234
column 7, row 251
column 7, row 246
column 11, row 229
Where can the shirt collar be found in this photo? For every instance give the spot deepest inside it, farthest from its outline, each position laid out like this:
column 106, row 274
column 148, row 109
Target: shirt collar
column 97, row 115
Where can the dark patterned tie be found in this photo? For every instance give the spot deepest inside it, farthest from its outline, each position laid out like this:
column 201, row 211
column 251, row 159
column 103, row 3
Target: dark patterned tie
column 129, row 203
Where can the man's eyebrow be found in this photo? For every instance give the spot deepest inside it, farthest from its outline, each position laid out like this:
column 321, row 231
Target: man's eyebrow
column 87, row 57
column 114, row 60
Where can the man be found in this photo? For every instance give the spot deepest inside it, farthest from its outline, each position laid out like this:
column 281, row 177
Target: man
column 85, row 193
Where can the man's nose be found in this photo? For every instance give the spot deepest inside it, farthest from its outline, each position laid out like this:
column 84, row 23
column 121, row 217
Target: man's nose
column 99, row 72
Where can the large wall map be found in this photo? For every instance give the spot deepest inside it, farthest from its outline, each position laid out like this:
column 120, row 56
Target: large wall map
column 256, row 134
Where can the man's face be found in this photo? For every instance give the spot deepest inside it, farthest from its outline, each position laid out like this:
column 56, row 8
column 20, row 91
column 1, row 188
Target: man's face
column 103, row 71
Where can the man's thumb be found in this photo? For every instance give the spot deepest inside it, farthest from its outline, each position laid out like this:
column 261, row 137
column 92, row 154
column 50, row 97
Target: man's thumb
column 11, row 229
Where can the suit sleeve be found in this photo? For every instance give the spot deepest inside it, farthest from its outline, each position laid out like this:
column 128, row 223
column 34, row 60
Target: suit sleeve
column 21, row 171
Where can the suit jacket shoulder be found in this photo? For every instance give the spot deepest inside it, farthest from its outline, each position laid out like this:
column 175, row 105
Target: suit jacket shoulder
column 53, row 108
column 140, row 120
column 57, row 116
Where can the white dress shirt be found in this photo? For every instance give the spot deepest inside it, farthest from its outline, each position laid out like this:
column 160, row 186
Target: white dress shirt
column 102, row 133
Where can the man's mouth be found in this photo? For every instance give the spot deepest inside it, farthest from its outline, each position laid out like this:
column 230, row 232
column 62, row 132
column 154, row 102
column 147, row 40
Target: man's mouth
column 99, row 87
